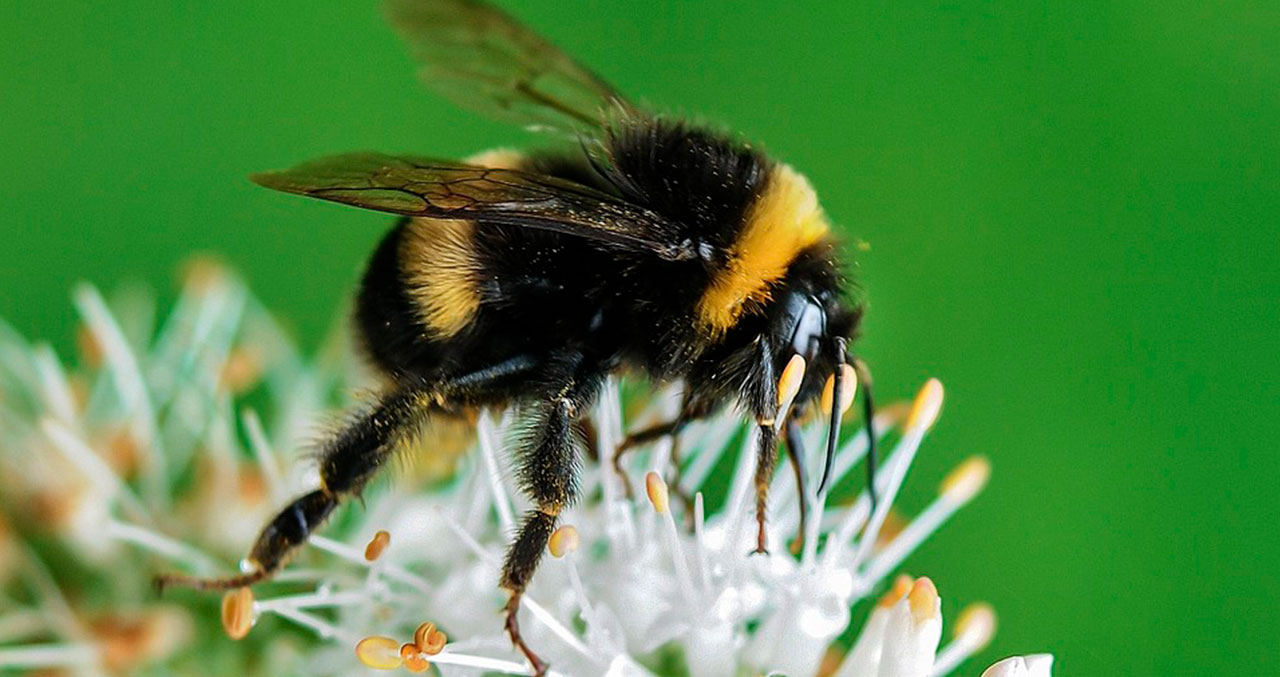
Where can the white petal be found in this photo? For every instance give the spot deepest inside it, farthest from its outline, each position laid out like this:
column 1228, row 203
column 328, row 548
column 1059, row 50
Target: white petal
column 912, row 633
column 1034, row 665
column 864, row 657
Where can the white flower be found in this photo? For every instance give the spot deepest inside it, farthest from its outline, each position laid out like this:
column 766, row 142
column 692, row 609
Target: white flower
column 639, row 586
column 1035, row 665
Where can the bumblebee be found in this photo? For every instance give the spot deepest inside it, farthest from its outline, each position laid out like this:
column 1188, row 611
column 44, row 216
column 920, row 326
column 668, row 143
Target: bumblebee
column 652, row 245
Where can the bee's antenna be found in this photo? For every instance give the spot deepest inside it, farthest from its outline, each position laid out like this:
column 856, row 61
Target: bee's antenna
column 869, row 415
column 837, row 411
column 166, row 581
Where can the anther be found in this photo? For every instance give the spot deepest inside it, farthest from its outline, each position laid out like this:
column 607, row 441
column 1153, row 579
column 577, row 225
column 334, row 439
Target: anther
column 380, row 653
column 428, row 639
column 927, row 405
column 376, row 546
column 657, row 490
column 790, row 380
column 565, row 539
column 848, row 389
column 901, row 586
column 976, row 624
column 413, row 659
column 967, row 479
column 237, row 612
column 923, row 600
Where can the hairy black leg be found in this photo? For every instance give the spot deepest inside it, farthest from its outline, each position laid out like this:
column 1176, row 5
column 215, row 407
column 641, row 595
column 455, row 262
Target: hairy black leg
column 795, row 452
column 869, row 416
column 640, row 438
column 676, row 482
column 760, row 395
column 690, row 410
column 347, row 463
column 766, row 459
column 548, row 474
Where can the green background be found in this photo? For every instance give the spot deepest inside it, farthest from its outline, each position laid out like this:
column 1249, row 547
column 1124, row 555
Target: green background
column 1072, row 211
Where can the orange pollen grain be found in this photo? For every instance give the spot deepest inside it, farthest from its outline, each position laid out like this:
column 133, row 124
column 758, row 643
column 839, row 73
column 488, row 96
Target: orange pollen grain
column 376, row 546
column 563, row 541
column 237, row 612
column 413, row 659
column 428, row 639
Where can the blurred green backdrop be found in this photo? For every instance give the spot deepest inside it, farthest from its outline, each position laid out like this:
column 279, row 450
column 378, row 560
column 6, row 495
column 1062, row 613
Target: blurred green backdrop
column 1072, row 211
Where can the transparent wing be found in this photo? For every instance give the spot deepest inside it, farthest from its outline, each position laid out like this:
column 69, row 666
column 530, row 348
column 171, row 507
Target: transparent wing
column 425, row 187
column 482, row 59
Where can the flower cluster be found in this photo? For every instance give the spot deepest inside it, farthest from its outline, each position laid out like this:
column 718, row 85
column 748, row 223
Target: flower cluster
column 152, row 454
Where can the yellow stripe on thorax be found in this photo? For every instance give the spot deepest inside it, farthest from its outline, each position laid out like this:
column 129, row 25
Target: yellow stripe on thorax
column 784, row 221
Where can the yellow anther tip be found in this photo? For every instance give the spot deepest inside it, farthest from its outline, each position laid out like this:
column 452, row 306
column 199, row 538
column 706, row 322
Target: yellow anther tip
column 380, row 653
column 927, row 405
column 848, row 390
column 923, row 600
column 237, row 612
column 657, row 491
column 790, row 380
column 376, row 546
column 563, row 541
column 977, row 623
column 828, row 389
column 967, row 479
column 901, row 586
column 848, row 386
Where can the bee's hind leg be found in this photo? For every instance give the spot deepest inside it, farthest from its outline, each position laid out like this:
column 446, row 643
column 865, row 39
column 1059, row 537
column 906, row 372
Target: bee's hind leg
column 548, row 474
column 348, row 462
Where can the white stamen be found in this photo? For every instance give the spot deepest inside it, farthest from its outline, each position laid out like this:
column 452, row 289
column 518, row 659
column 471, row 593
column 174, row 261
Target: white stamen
column 129, row 383
column 915, row 533
column 47, row 656
column 618, row 599
column 907, row 447
column 487, row 438
column 147, row 539
column 55, row 391
column 93, row 468
column 265, row 458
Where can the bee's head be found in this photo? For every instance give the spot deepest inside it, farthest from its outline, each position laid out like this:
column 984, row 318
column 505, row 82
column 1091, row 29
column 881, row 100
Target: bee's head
column 817, row 325
column 809, row 330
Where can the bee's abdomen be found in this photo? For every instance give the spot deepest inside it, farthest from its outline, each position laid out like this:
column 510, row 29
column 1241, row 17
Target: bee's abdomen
column 387, row 321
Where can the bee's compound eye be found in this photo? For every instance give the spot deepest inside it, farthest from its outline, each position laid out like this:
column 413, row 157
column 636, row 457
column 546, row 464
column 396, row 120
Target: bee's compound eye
column 810, row 325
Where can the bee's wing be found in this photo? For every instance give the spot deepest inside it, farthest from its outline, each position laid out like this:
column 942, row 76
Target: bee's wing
column 480, row 58
column 439, row 189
